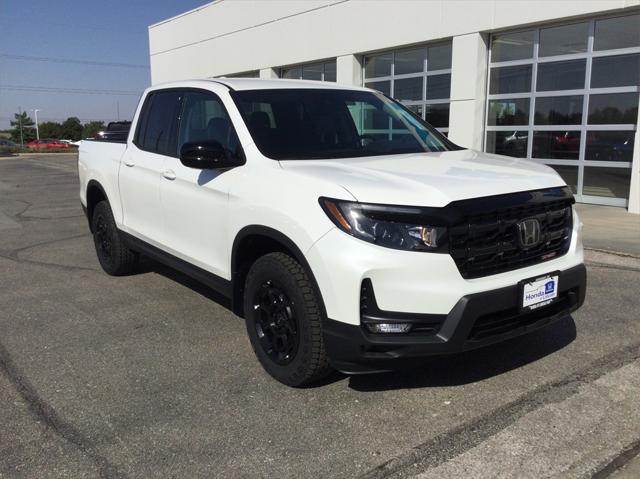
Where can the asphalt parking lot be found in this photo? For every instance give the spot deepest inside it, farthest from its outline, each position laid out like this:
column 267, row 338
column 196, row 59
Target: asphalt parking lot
column 150, row 376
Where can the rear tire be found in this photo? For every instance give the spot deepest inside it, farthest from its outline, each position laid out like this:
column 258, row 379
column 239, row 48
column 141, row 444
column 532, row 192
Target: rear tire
column 284, row 321
column 114, row 255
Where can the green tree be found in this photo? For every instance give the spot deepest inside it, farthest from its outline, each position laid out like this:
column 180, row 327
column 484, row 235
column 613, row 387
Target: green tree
column 72, row 129
column 50, row 129
column 91, row 129
column 22, row 128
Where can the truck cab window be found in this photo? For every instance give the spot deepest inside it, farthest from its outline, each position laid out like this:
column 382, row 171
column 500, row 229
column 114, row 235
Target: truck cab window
column 159, row 123
column 204, row 118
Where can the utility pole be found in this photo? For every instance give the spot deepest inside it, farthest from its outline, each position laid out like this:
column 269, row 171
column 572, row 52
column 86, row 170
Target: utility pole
column 118, row 109
column 37, row 130
column 20, row 124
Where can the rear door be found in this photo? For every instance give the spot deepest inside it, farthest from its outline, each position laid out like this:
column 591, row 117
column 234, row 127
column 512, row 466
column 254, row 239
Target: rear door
column 143, row 165
column 195, row 202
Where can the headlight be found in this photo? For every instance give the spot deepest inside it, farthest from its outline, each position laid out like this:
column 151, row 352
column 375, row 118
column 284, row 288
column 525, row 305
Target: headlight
column 396, row 227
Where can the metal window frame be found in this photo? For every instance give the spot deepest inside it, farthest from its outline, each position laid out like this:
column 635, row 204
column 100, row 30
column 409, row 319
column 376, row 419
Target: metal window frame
column 301, row 66
column 424, row 74
column 583, row 127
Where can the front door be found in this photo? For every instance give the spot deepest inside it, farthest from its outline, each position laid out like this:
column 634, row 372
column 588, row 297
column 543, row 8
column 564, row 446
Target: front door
column 195, row 202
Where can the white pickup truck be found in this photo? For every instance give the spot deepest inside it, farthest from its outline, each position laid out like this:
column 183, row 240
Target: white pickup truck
column 347, row 232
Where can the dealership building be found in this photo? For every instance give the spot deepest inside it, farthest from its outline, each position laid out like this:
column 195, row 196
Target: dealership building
column 557, row 82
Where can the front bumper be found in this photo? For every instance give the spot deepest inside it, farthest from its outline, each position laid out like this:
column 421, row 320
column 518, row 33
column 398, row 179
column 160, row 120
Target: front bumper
column 476, row 320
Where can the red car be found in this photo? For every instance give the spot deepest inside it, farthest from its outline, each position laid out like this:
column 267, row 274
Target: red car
column 47, row 144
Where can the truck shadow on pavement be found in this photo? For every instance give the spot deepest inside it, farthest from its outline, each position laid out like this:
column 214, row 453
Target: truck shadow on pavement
column 473, row 366
column 453, row 370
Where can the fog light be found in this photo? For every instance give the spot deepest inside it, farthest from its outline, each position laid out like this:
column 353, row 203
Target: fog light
column 389, row 327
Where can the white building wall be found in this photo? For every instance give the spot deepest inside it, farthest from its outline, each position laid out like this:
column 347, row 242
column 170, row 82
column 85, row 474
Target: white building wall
column 232, row 36
column 229, row 36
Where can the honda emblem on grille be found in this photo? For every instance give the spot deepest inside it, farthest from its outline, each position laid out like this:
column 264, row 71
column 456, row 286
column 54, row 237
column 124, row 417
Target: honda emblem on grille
column 529, row 233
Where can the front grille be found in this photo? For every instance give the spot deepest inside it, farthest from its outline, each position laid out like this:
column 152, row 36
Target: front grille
column 484, row 241
column 511, row 320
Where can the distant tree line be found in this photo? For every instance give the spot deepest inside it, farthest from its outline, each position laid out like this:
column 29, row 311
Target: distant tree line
column 23, row 129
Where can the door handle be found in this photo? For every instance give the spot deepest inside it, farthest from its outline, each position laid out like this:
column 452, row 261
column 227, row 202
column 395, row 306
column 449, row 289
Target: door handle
column 128, row 162
column 169, row 175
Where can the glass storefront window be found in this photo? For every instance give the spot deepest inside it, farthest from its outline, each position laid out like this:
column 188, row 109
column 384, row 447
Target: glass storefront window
column 618, row 70
column 619, row 32
column 511, row 111
column 515, row 79
column 568, row 75
column 580, row 112
column 510, row 143
column 419, row 77
column 512, row 46
column 561, row 145
column 613, row 108
column 610, row 146
column 558, row 110
column 564, row 40
column 607, row 182
column 321, row 71
column 409, row 61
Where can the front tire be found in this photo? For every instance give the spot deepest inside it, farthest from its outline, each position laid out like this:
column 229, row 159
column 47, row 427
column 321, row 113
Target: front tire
column 284, row 321
column 114, row 255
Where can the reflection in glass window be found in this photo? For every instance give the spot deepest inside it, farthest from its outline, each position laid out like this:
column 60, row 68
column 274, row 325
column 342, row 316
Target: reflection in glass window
column 558, row 110
column 567, row 75
column 378, row 65
column 438, row 86
column 381, row 86
column 510, row 143
column 569, row 174
column 562, row 145
column 610, row 145
column 607, row 182
column 587, row 121
column 619, row 32
column 512, row 46
column 515, row 79
column 417, row 77
column 512, row 111
column 408, row 88
column 439, row 57
column 618, row 70
column 321, row 71
column 438, row 115
column 409, row 61
column 563, row 40
column 613, row 108
column 330, row 71
column 292, row 73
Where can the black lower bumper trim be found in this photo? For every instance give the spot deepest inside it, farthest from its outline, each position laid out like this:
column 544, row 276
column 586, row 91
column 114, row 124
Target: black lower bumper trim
column 476, row 320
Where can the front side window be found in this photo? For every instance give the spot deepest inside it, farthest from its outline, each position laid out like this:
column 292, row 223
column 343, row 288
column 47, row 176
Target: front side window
column 158, row 123
column 204, row 118
column 300, row 124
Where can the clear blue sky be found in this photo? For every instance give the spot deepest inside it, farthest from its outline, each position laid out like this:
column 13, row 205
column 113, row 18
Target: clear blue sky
column 112, row 31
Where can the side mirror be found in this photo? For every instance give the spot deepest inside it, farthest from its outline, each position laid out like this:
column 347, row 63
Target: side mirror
column 206, row 155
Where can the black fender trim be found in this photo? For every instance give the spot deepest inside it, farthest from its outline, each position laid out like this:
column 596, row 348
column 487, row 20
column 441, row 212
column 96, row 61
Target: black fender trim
column 89, row 208
column 281, row 238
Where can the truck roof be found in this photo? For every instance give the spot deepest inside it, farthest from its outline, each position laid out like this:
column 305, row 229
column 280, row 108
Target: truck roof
column 259, row 84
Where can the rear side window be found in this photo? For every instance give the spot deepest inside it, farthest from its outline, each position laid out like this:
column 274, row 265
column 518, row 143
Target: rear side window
column 159, row 123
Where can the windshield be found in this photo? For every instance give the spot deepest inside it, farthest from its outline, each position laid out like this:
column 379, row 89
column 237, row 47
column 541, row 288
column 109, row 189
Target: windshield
column 299, row 124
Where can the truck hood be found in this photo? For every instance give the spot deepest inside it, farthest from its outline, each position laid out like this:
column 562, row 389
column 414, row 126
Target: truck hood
column 428, row 179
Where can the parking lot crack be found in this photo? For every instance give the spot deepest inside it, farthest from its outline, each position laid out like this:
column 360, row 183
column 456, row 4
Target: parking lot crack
column 450, row 444
column 42, row 411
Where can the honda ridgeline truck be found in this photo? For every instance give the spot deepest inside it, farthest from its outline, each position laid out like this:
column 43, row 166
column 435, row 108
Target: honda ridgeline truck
column 346, row 231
